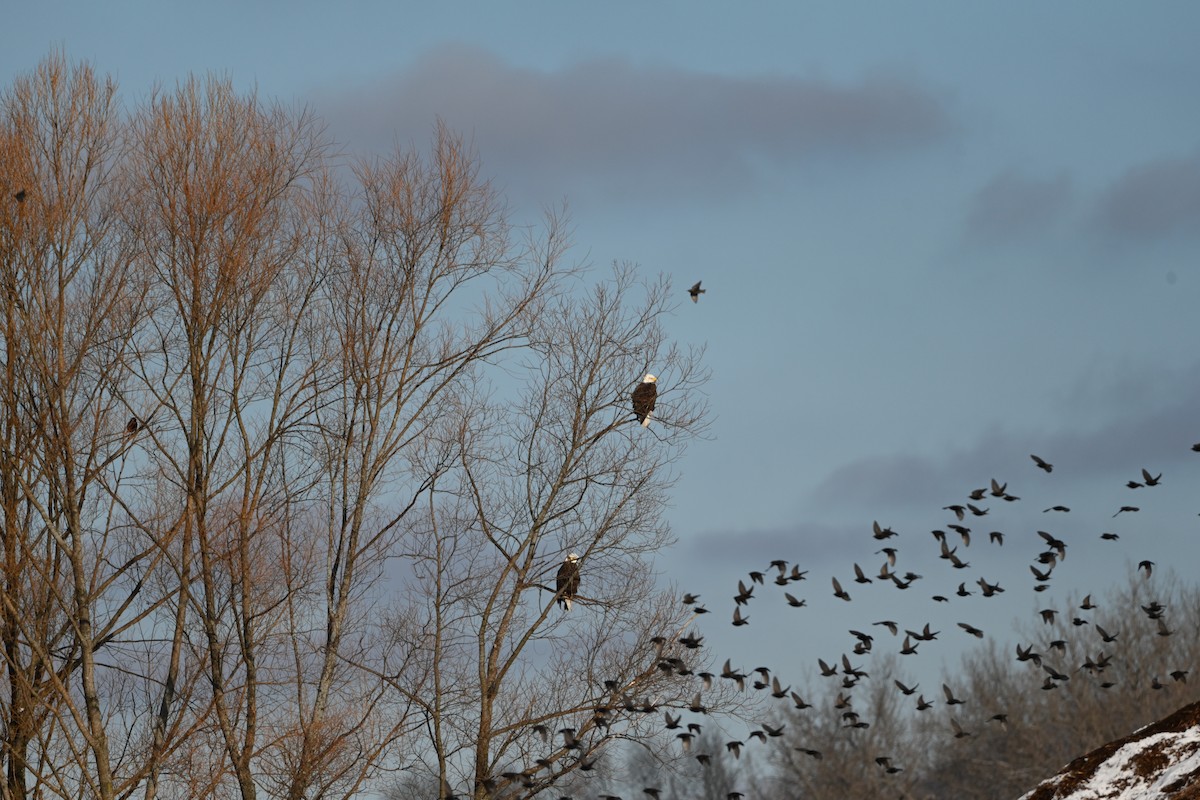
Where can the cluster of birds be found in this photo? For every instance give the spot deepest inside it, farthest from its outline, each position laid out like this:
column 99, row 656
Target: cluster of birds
column 952, row 542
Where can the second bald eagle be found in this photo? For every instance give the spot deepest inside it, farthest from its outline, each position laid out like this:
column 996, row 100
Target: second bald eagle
column 643, row 399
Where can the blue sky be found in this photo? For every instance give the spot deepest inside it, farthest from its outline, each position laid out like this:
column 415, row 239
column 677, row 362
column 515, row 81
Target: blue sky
column 936, row 237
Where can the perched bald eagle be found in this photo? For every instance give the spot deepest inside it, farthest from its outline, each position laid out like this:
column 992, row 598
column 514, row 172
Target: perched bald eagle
column 643, row 399
column 568, row 581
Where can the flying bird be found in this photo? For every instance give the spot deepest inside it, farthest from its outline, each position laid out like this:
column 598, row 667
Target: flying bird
column 1151, row 480
column 839, row 592
column 643, row 399
column 881, row 532
column 567, row 583
column 696, row 291
column 1127, row 508
column 971, row 629
column 1041, row 463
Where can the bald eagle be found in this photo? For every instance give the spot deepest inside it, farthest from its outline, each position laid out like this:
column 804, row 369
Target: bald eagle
column 568, row 581
column 643, row 399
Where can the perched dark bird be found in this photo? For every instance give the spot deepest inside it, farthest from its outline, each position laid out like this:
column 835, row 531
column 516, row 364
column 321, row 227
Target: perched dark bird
column 696, row 291
column 567, row 582
column 20, row 195
column 132, row 425
column 643, row 398
column 1042, row 464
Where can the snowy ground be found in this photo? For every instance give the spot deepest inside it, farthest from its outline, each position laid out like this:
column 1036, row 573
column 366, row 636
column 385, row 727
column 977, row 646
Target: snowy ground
column 1160, row 761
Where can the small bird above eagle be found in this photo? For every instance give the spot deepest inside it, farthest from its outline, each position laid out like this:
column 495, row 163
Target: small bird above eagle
column 567, row 585
column 643, row 399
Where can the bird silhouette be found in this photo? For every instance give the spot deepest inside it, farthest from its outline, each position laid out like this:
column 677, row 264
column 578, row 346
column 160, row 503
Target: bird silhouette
column 696, row 291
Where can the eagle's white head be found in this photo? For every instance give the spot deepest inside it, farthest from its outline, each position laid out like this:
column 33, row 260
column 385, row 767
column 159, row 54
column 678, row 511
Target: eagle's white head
column 649, row 378
column 573, row 557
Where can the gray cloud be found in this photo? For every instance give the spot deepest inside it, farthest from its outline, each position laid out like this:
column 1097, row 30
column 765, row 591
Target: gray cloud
column 1141, row 431
column 634, row 128
column 1157, row 199
column 1016, row 206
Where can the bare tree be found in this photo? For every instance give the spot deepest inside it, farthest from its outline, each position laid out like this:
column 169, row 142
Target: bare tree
column 288, row 466
column 73, row 583
column 521, row 693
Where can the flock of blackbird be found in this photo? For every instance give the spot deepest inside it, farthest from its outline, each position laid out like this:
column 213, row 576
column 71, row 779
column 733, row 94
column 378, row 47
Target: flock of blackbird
column 952, row 543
